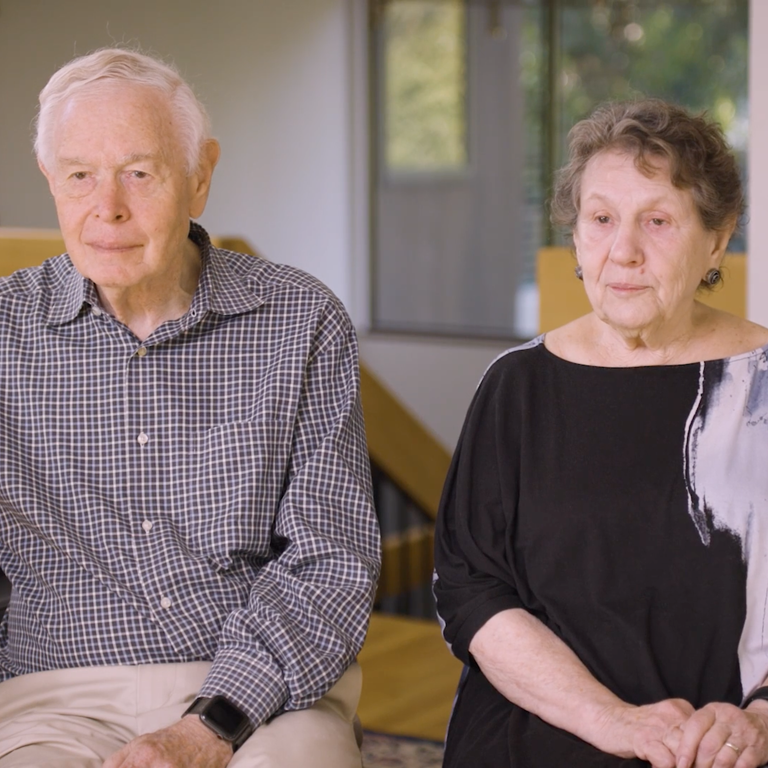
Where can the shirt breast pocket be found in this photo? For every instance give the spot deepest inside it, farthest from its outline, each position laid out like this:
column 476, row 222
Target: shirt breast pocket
column 236, row 484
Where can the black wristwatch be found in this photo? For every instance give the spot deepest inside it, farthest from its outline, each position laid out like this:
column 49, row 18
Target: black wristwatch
column 759, row 694
column 223, row 718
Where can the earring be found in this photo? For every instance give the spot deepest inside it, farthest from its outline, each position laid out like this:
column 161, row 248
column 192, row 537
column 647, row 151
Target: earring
column 579, row 272
column 713, row 277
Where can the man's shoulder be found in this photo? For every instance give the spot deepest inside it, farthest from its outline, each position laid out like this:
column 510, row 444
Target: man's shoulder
column 268, row 281
column 31, row 283
column 265, row 274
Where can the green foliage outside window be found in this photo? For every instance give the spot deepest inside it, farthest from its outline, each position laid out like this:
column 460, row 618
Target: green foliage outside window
column 691, row 53
column 425, row 85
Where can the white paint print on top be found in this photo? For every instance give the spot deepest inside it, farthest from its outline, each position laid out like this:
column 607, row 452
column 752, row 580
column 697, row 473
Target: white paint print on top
column 726, row 464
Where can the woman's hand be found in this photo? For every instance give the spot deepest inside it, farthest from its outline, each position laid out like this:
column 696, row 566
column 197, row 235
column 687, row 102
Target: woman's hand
column 723, row 736
column 648, row 732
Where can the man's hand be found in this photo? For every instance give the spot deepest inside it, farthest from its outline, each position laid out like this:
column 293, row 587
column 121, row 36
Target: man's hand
column 723, row 736
column 185, row 744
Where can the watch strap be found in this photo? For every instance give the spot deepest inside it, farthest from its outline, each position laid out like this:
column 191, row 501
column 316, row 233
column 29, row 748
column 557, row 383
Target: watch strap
column 759, row 694
column 204, row 705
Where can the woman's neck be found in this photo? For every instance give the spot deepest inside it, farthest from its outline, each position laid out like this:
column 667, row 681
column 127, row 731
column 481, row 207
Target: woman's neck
column 711, row 335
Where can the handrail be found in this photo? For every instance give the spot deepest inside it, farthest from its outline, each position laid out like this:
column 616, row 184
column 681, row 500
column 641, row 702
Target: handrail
column 402, row 448
column 397, row 442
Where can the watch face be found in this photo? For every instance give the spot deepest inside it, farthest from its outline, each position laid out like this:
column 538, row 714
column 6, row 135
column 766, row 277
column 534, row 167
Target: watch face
column 227, row 719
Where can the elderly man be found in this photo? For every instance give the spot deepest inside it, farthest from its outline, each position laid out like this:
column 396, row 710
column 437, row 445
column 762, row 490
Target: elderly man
column 185, row 503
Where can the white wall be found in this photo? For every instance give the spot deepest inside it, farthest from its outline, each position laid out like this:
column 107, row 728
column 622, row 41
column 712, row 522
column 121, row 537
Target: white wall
column 275, row 76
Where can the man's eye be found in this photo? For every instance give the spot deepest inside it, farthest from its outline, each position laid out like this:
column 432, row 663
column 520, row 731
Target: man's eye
column 139, row 174
column 657, row 222
column 79, row 175
column 603, row 219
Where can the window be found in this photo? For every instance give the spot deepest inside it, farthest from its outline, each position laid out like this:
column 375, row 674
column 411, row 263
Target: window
column 474, row 100
column 424, row 81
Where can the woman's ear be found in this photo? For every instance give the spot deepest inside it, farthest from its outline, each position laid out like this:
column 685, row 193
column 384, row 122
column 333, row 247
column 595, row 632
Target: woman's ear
column 720, row 240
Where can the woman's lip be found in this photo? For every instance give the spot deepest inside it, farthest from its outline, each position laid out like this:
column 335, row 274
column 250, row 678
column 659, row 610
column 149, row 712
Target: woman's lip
column 626, row 287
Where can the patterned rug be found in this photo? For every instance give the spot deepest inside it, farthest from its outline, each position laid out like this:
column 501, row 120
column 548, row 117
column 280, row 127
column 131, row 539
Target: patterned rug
column 383, row 751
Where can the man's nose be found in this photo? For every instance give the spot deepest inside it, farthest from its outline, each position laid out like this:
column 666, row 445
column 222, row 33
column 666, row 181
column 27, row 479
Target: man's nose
column 111, row 204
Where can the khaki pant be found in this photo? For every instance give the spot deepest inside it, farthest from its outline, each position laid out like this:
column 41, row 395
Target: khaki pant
column 76, row 718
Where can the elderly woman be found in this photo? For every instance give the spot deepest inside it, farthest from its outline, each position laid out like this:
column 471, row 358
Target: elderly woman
column 602, row 546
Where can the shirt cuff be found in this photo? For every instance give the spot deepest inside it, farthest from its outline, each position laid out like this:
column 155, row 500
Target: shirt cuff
column 258, row 690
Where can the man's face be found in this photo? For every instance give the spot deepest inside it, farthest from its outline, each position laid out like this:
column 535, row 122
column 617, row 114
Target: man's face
column 121, row 187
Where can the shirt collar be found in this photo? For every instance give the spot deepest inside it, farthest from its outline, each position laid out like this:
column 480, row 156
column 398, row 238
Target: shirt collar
column 219, row 290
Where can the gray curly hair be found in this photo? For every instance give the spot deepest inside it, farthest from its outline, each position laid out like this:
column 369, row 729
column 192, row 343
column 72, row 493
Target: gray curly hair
column 699, row 156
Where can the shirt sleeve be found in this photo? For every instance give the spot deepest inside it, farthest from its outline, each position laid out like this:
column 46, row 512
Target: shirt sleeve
column 474, row 573
column 309, row 606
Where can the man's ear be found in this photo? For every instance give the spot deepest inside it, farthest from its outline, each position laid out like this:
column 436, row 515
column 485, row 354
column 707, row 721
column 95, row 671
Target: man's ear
column 201, row 179
column 48, row 176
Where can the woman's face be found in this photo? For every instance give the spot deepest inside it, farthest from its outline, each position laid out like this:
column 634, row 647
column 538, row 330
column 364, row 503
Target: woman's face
column 641, row 244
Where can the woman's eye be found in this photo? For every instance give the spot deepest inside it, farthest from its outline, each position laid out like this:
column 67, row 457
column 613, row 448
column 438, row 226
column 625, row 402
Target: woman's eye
column 603, row 219
column 657, row 222
column 140, row 174
column 79, row 175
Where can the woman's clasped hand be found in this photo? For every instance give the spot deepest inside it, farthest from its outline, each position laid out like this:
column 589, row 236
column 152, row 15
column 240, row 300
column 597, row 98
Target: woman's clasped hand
column 671, row 734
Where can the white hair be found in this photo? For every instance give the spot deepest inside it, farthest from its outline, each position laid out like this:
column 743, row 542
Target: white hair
column 120, row 65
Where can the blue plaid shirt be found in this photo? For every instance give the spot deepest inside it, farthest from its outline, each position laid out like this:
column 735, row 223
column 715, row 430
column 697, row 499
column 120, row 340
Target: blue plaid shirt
column 201, row 495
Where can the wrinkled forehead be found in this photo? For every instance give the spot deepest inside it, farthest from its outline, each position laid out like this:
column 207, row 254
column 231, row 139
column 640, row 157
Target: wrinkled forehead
column 110, row 113
column 619, row 178
column 622, row 167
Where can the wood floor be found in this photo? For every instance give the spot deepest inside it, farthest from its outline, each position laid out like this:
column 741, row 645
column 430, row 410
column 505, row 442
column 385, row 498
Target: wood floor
column 409, row 678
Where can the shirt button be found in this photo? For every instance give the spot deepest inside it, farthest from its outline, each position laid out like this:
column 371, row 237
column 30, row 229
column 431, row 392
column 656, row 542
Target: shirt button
column 147, row 526
column 141, row 351
column 165, row 602
column 96, row 311
column 142, row 439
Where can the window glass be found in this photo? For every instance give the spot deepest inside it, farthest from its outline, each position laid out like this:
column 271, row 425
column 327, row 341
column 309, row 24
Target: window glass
column 425, row 86
column 491, row 89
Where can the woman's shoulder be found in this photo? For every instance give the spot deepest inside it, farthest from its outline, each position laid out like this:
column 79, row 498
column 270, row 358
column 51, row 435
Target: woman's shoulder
column 732, row 336
column 515, row 358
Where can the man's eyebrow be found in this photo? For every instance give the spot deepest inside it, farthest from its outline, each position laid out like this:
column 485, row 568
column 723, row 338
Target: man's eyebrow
column 71, row 161
column 141, row 157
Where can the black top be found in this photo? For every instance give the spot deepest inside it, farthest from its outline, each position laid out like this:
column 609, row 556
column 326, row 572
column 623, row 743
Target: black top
column 620, row 506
